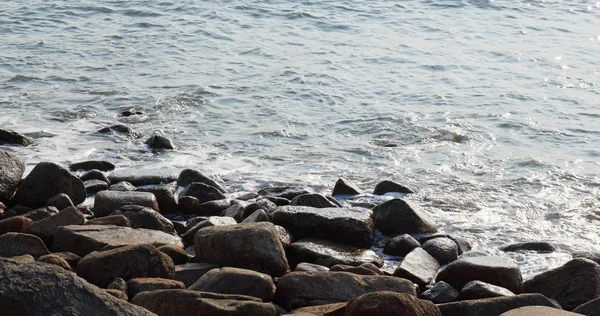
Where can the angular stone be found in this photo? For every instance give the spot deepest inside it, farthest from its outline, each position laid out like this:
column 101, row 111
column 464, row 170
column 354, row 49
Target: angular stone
column 45, row 181
column 329, row 253
column 95, row 186
column 418, row 266
column 142, row 177
column 539, row 246
column 189, row 273
column 46, row 228
column 117, row 220
column 310, row 267
column 203, row 192
column 190, row 234
column 262, row 204
column 55, row 260
column 386, row 303
column 444, row 250
column 257, row 216
column 334, row 309
column 122, row 186
column 213, row 208
column 236, row 281
column 61, row 201
column 41, row 213
column 11, row 171
column 15, row 138
column 17, row 244
column 92, row 164
column 344, row 186
column 352, row 226
column 285, row 192
column 387, row 186
column 401, row 245
column 23, row 259
column 396, row 216
column 253, row 246
column 119, row 284
column 139, row 285
column 493, row 306
column 235, row 211
column 538, row 311
column 84, row 239
column 177, row 254
column 159, row 142
column 15, row 224
column 363, row 269
column 495, row 270
column 145, row 217
column 591, row 308
column 312, row 200
column 102, row 267
column 279, row 201
column 107, row 202
column 300, row 289
column 477, row 290
column 441, row 292
column 188, row 176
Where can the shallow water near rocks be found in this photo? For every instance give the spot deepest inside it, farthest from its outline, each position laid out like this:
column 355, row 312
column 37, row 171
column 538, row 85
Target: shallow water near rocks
column 488, row 109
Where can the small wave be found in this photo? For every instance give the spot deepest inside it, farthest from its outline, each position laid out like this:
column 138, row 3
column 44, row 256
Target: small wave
column 23, row 78
column 138, row 13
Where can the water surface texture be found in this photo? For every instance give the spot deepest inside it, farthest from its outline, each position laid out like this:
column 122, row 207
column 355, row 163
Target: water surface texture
column 489, row 109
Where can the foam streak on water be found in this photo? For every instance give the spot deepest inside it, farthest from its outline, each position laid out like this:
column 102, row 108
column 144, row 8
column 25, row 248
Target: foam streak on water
column 490, row 109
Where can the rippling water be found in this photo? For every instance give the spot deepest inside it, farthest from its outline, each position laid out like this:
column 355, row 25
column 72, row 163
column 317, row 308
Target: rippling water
column 489, row 109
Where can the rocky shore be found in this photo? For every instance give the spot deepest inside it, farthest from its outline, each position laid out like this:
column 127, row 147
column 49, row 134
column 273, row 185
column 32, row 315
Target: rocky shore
column 188, row 245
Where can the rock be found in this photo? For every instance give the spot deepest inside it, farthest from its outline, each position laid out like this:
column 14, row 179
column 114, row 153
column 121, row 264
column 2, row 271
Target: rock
column 329, row 253
column 189, row 176
column 444, row 250
column 23, row 259
column 591, row 308
column 386, row 303
column 592, row 255
column 300, row 289
column 15, row 224
column 71, row 258
column 118, row 284
column 212, row 208
column 310, row 267
column 102, row 267
column 284, row 235
column 41, row 213
column 462, row 243
column 279, row 201
column 441, row 292
column 257, row 216
column 120, row 129
column 95, row 186
column 117, row 220
column 177, row 254
column 62, row 293
column 285, row 192
column 159, row 142
column 235, row 211
column 142, row 177
column 253, row 246
column 189, row 273
column 61, row 201
column 492, row 306
column 477, row 290
column 401, row 245
column 14, row 138
column 107, row 202
column 190, row 234
column 16, row 244
column 55, row 260
column 418, row 266
column 312, row 200
column 396, row 216
column 145, row 217
column 537, row 311
column 262, row 204
column 194, row 303
column 363, row 269
column 343, row 186
column 21, row 209
column 495, row 270
column 236, row 281
column 118, row 294
column 45, row 181
column 539, row 246
column 572, row 284
column 92, row 164
column 46, row 228
column 84, row 239
column 139, row 285
column 387, row 186
column 122, row 186
column 202, row 192
column 165, row 196
column 94, row 174
column 335, row 309
column 11, row 171
column 352, row 226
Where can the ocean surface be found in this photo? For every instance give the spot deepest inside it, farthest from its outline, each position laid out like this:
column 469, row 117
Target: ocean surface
column 490, row 110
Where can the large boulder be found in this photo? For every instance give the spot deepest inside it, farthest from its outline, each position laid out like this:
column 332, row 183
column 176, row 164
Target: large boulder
column 139, row 285
column 117, row 220
column 194, row 303
column 253, row 246
column 300, row 289
column 11, row 171
column 493, row 306
column 329, row 253
column 343, row 186
column 591, row 308
column 17, row 244
column 190, row 234
column 102, row 267
column 236, row 281
column 83, row 239
column 106, row 202
column 495, row 270
column 47, row 227
column 142, row 177
column 61, row 201
column 418, row 266
column 43, row 289
column 441, row 292
column 45, row 181
column 188, row 176
column 145, row 217
column 397, row 216
column 203, row 192
column 351, row 226
column 386, row 303
column 572, row 284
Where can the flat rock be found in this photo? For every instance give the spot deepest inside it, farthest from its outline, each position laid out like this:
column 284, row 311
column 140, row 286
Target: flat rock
column 286, row 192
column 591, row 308
column 190, row 234
column 396, row 216
column 177, row 254
column 257, row 216
column 41, row 213
column 145, row 217
column 95, row 186
column 538, row 311
column 14, row 138
column 165, row 196
column 326, row 309
column 493, row 306
column 387, row 186
column 477, row 290
column 387, row 303
column 11, row 171
column 92, row 164
column 401, row 245
column 444, row 250
column 363, row 269
column 45, row 181
column 15, row 224
column 142, row 177
column 83, row 239
column 236, row 281
column 17, row 244
column 117, row 220
column 189, row 273
column 310, row 267
column 440, row 292
column 107, row 202
column 329, row 253
column 313, row 200
column 188, row 176
column 139, row 285
column 344, row 186
column 203, row 192
column 46, row 228
column 352, row 226
column 122, row 186
column 538, row 246
column 418, row 266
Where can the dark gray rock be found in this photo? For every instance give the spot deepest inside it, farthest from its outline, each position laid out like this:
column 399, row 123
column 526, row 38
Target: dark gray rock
column 539, row 246
column 189, row 273
column 14, row 138
column 189, row 176
column 94, row 174
column 352, row 226
column 235, row 211
column 363, row 269
column 95, row 186
column 122, row 186
column 396, row 216
column 401, row 245
column 418, row 266
column 444, row 250
column 55, row 260
column 190, row 234
column 591, row 308
column 92, row 164
column 120, row 129
column 257, row 216
column 492, row 306
column 329, row 253
column 15, row 224
column 46, row 228
column 477, row 290
column 17, row 244
column 107, row 202
column 139, row 285
column 385, row 303
column 387, row 186
column 463, row 244
column 142, row 177
column 236, row 281
column 177, row 254
column 286, row 192
column 262, row 204
column 41, row 213
column 284, row 235
column 344, row 186
column 213, row 208
column 145, row 217
column 202, row 192
column 45, row 181
column 495, row 270
column 310, row 267
column 61, row 201
column 440, row 292
column 159, row 142
column 313, row 200
column 11, row 171
column 279, row 201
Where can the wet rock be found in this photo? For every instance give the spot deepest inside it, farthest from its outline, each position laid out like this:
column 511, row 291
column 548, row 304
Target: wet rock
column 253, row 246
column 95, row 186
column 444, row 250
column 23, row 259
column 92, row 164
column 257, row 216
column 537, row 311
column 463, row 244
column 279, row 201
column 14, row 138
column 344, row 186
column 214, row 208
column 84, row 239
column 118, row 284
column 194, row 303
column 41, row 213
column 386, row 303
column 11, row 171
column 21, row 209
column 236, row 281
column 142, row 177
column 139, row 285
column 165, row 196
column 118, row 294
column 477, row 290
column 495, row 270
column 45, row 181
column 17, row 244
column 329, row 253
column 352, row 226
column 102, row 267
column 262, row 204
column 145, row 217
column 401, row 245
column 94, row 174
column 61, row 201
column 310, row 267
column 189, row 273
column 177, row 254
column 572, row 284
column 363, row 269
column 131, row 112
column 190, row 234
column 367, row 205
column 313, row 200
column 189, row 176
column 117, row 220
column 284, row 235
column 418, row 266
column 122, row 186
column 46, row 228
column 202, row 192
column 387, row 186
column 16, row 224
column 539, row 246
column 325, row 309
column 441, row 292
column 22, row 293
column 300, row 289
column 396, row 216
column 107, row 202
column 71, row 258
column 235, row 211
column 159, row 142
column 591, row 308
column 492, row 306
column 120, row 129
column 285, row 192
column 189, row 205
column 55, row 260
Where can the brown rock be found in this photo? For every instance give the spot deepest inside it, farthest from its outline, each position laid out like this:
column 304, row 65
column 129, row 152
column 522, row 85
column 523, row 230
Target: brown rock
column 390, row 304
column 61, row 201
column 334, row 309
column 14, row 138
column 16, row 224
column 118, row 294
column 344, row 186
column 145, row 217
column 236, row 281
column 493, row 306
column 47, row 227
column 16, row 244
column 189, row 273
column 190, row 234
column 139, row 285
column 386, row 186
column 165, row 196
column 117, row 220
column 363, row 269
column 202, row 192
column 55, row 260
column 177, row 254
column 477, row 290
column 538, row 311
column 188, row 176
column 71, row 258
column 23, row 259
